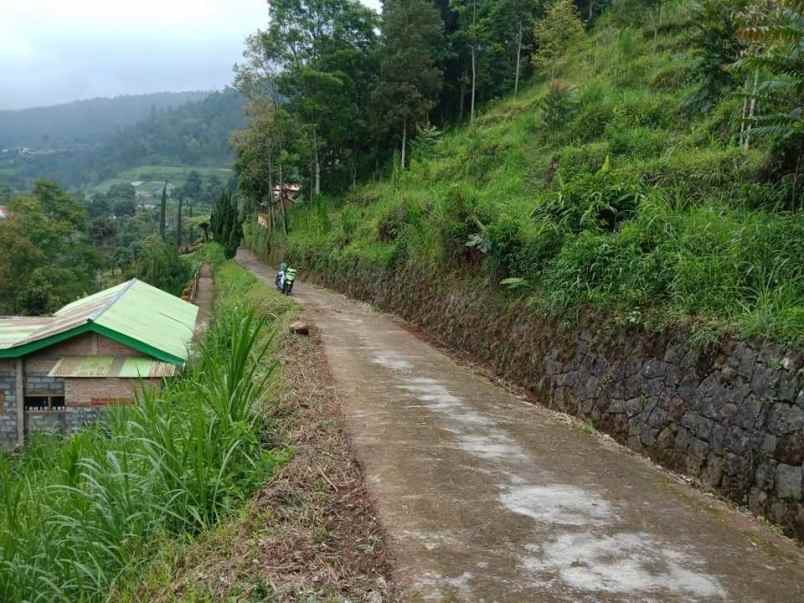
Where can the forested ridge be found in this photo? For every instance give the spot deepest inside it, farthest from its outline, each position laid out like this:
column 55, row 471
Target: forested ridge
column 638, row 156
column 84, row 122
column 194, row 134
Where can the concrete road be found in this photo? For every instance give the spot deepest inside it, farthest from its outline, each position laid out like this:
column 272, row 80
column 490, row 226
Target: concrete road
column 486, row 497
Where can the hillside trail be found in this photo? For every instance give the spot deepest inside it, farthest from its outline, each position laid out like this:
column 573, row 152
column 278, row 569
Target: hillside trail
column 485, row 497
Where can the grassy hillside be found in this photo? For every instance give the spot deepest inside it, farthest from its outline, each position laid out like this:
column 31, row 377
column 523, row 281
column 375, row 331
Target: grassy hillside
column 600, row 189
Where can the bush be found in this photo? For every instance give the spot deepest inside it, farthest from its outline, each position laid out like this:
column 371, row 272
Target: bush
column 600, row 201
column 160, row 265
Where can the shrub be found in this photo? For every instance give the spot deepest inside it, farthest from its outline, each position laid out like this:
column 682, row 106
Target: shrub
column 160, row 265
column 600, row 201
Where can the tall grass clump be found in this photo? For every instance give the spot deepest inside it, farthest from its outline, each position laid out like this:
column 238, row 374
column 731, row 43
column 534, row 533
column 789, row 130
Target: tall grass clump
column 77, row 515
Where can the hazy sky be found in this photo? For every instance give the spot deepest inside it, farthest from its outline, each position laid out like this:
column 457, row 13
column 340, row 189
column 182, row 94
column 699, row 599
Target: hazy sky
column 54, row 51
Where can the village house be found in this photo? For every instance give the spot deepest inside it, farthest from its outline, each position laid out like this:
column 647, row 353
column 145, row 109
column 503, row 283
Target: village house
column 57, row 372
column 3, row 212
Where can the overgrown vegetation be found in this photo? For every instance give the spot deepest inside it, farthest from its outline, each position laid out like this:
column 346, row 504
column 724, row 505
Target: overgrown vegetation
column 80, row 516
column 610, row 183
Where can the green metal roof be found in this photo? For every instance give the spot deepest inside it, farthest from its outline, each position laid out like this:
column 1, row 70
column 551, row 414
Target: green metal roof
column 134, row 314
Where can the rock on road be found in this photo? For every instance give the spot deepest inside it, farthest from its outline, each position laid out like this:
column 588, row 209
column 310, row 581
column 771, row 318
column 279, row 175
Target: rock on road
column 488, row 498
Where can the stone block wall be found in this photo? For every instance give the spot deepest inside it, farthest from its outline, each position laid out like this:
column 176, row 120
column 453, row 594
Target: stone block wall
column 63, row 421
column 8, row 404
column 730, row 415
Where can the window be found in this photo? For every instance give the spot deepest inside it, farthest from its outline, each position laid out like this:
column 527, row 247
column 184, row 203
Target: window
column 41, row 402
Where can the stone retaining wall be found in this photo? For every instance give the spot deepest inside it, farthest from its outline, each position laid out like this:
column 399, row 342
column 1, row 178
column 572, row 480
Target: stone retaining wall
column 730, row 415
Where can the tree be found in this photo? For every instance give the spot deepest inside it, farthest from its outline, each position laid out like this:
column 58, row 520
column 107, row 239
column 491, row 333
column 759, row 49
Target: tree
column 409, row 77
column 560, row 28
column 473, row 32
column 226, row 224
column 777, row 32
column 316, row 57
column 512, row 23
column 193, row 186
column 178, row 224
column 125, row 208
column 163, row 212
column 46, row 256
column 160, row 265
column 714, row 38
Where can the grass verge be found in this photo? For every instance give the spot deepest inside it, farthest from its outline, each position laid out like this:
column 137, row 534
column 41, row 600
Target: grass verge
column 309, row 533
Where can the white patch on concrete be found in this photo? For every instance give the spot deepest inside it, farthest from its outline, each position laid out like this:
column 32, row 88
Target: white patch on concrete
column 493, row 446
column 391, row 360
column 435, row 584
column 626, row 563
column 558, row 505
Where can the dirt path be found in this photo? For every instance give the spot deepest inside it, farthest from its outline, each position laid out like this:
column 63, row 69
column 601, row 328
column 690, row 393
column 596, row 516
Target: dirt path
column 487, row 498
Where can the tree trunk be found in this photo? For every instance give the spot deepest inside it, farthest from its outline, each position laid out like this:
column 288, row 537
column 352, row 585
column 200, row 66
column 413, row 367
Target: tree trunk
column 404, row 140
column 518, row 59
column 190, row 215
column 282, row 200
column 474, row 62
column 474, row 85
column 462, row 103
column 317, row 189
column 591, row 10
column 752, row 105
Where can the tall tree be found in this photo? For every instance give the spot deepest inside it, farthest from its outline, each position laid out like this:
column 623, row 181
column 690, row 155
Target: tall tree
column 316, row 57
column 560, row 28
column 410, row 79
column 179, row 224
column 163, row 212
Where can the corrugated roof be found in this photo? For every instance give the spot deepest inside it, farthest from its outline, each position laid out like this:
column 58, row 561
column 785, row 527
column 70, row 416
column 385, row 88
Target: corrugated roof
column 78, row 367
column 133, row 313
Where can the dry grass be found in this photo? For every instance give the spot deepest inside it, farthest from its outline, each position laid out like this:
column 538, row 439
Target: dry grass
column 311, row 533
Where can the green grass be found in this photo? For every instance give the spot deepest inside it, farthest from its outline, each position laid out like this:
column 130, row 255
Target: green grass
column 153, row 177
column 627, row 203
column 81, row 516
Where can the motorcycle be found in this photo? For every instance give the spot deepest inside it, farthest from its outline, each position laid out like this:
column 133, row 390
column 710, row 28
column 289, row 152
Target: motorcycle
column 287, row 284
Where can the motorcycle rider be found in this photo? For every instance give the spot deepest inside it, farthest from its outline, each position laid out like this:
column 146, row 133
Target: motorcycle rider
column 280, row 276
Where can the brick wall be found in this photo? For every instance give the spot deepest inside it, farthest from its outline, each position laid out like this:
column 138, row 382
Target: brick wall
column 101, row 392
column 88, row 344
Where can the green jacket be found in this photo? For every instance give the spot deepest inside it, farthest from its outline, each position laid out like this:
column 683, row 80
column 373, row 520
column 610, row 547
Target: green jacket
column 290, row 275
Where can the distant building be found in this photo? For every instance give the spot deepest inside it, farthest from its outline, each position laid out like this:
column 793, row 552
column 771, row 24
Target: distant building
column 3, row 213
column 57, row 372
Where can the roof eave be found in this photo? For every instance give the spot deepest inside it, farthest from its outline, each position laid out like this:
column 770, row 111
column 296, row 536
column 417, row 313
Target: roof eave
column 91, row 327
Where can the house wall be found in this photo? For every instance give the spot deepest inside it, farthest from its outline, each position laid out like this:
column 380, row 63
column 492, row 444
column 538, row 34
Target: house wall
column 102, row 392
column 8, row 403
column 84, row 398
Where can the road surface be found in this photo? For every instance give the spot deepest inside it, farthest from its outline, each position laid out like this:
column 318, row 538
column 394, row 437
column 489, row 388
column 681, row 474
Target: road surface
column 486, row 497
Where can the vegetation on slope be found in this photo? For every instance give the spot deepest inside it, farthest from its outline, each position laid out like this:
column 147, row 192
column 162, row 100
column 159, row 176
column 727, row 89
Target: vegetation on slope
column 616, row 184
column 81, row 515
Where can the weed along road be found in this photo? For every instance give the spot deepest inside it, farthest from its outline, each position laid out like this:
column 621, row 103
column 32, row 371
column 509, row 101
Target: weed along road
column 486, row 497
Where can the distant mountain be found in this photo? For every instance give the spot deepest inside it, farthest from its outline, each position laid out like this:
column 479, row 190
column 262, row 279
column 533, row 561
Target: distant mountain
column 85, row 122
column 191, row 135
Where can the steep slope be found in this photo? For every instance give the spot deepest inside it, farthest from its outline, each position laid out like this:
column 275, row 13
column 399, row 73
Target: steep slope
column 599, row 189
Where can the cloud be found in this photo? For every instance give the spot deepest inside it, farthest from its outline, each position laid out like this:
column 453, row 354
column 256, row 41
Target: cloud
column 54, row 51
